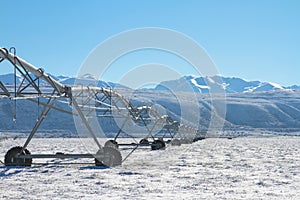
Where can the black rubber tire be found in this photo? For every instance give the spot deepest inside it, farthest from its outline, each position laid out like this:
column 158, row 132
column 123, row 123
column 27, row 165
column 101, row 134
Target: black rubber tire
column 10, row 160
column 158, row 145
column 144, row 141
column 114, row 157
column 111, row 143
column 175, row 142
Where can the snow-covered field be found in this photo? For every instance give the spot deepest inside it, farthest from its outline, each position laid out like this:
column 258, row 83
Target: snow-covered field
column 241, row 168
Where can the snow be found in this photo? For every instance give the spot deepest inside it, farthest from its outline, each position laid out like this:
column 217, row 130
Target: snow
column 199, row 86
column 215, row 168
column 276, row 85
column 210, row 79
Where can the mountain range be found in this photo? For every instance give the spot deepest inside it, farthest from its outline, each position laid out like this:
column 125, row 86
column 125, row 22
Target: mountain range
column 249, row 104
column 225, row 84
column 183, row 84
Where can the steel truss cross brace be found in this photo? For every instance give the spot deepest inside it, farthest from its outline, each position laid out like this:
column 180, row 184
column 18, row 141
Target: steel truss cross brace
column 47, row 108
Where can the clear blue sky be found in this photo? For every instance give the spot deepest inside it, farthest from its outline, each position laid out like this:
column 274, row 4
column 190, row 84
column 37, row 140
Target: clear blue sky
column 255, row 40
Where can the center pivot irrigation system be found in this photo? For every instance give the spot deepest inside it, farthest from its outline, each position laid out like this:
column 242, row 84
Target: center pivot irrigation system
column 87, row 103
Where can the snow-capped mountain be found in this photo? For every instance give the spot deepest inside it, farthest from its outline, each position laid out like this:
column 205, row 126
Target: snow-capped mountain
column 87, row 79
column 229, row 85
column 294, row 87
column 248, row 103
column 9, row 79
column 278, row 110
column 184, row 84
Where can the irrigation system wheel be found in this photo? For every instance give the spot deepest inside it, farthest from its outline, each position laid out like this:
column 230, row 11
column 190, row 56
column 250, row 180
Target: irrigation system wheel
column 108, row 156
column 158, row 145
column 11, row 160
column 111, row 143
column 144, row 141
